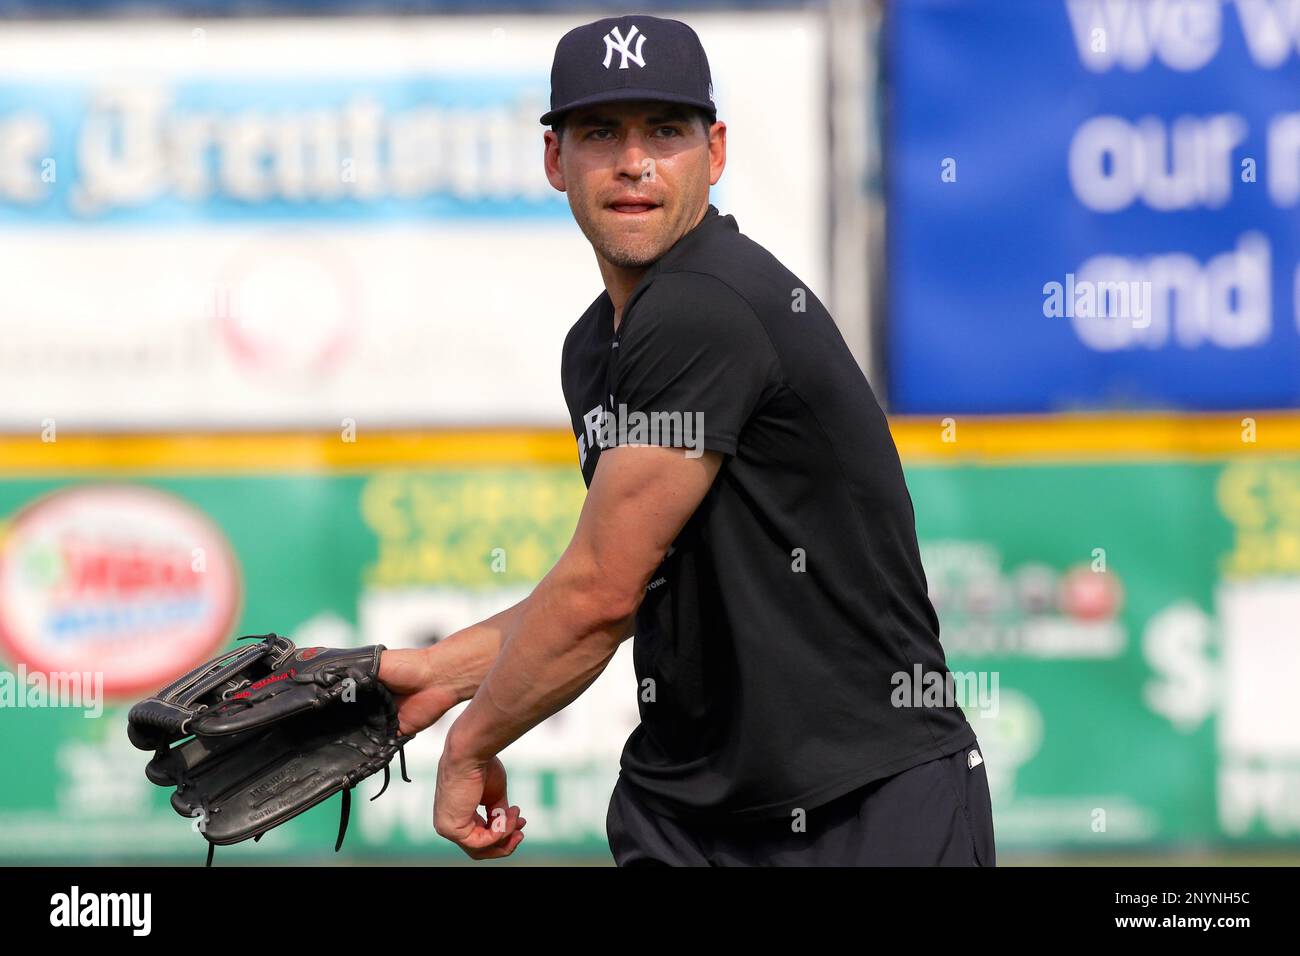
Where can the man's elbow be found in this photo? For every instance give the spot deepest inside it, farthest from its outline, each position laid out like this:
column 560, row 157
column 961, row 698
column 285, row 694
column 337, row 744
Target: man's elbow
column 593, row 602
column 606, row 612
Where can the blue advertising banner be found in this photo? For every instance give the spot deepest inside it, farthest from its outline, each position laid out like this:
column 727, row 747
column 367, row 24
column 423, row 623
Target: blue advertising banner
column 1093, row 205
column 440, row 144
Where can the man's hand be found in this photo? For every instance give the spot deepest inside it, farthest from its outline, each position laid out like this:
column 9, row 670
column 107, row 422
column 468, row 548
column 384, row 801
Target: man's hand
column 421, row 698
column 465, row 784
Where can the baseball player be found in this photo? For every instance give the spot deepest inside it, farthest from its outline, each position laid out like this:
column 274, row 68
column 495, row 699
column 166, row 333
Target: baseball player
column 746, row 519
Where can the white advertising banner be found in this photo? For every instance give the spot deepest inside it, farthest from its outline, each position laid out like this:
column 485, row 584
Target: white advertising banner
column 294, row 223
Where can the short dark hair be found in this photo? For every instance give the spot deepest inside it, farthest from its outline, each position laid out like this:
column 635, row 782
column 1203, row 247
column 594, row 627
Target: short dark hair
column 694, row 112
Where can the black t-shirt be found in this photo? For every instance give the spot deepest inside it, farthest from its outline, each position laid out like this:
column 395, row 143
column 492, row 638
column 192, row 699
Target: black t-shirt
column 791, row 612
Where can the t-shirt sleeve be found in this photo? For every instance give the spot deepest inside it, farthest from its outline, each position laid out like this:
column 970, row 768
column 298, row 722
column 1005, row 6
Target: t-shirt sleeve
column 566, row 378
column 693, row 365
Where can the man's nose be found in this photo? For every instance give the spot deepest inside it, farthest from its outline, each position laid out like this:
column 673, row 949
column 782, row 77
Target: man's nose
column 633, row 156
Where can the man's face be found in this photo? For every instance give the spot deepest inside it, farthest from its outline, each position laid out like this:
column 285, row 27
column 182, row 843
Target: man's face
column 637, row 175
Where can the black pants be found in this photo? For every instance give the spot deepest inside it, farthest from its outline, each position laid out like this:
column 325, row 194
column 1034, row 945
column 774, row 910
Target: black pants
column 934, row 814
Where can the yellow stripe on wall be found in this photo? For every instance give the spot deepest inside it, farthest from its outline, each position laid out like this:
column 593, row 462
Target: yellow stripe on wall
column 291, row 451
column 1095, row 437
column 957, row 438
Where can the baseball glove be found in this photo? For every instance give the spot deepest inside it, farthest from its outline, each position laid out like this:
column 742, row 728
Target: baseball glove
column 265, row 731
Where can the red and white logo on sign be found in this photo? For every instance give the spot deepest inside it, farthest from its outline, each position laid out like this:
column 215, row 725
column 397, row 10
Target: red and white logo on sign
column 128, row 581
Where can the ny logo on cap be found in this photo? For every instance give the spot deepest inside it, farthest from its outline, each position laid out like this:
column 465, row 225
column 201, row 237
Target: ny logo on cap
column 614, row 40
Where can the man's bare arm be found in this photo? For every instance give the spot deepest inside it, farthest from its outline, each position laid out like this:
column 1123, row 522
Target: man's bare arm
column 571, row 625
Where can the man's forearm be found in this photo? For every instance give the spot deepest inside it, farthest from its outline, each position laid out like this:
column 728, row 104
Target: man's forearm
column 555, row 650
column 462, row 660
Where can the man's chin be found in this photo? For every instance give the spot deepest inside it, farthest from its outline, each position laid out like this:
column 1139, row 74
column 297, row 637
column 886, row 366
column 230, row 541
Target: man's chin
column 631, row 258
column 634, row 262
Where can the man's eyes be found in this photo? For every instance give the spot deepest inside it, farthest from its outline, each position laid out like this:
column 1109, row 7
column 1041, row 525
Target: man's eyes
column 603, row 133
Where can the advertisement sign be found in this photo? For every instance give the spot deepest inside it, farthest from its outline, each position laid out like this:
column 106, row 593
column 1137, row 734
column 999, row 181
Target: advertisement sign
column 1130, row 628
column 1097, row 199
column 298, row 223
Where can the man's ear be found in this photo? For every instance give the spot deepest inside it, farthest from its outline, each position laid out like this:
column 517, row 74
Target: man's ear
column 717, row 151
column 551, row 160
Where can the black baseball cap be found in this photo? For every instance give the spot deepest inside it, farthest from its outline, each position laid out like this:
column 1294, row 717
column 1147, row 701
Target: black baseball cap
column 629, row 58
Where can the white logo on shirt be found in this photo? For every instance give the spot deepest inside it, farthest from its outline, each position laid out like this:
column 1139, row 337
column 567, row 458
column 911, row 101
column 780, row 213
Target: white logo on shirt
column 591, row 423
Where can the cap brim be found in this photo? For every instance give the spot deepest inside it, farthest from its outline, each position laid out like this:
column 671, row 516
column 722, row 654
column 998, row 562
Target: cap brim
column 623, row 96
